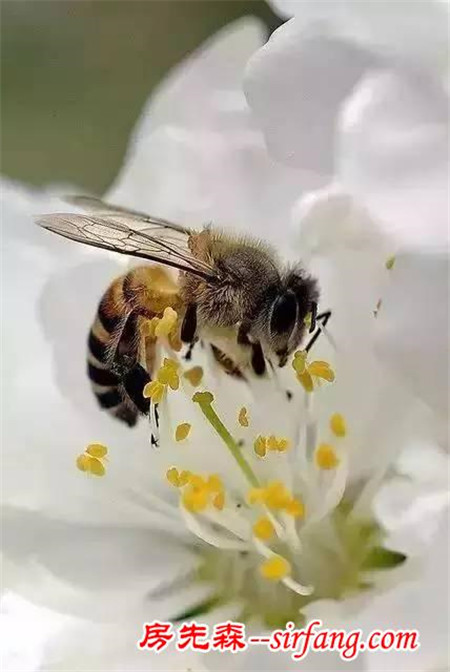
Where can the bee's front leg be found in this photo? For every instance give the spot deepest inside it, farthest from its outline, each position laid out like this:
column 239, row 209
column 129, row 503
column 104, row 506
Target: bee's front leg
column 189, row 324
column 258, row 362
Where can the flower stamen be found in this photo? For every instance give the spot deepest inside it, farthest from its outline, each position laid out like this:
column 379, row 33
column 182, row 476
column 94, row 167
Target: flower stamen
column 204, row 400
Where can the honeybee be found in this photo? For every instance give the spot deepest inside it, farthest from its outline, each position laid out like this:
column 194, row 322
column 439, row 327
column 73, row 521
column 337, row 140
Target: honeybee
column 232, row 292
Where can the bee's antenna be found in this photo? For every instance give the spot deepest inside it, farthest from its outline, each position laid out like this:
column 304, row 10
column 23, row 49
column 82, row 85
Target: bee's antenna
column 323, row 319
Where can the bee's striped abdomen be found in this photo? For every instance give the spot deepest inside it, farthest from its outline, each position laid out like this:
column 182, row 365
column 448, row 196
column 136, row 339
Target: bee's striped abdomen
column 117, row 341
column 112, row 359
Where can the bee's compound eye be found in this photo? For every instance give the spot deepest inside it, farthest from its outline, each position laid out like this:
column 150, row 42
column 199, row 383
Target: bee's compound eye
column 284, row 314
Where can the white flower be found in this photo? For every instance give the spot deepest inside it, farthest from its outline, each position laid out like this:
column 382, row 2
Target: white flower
column 114, row 552
column 354, row 92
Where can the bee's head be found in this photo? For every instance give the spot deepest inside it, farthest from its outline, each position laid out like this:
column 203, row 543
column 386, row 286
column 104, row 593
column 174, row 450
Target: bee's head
column 293, row 301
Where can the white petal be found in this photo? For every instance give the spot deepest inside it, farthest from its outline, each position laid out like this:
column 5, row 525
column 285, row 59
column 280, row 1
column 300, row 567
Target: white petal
column 347, row 252
column 329, row 219
column 295, row 85
column 74, row 568
column 400, row 29
column 393, row 151
column 412, row 326
column 421, row 604
column 45, row 640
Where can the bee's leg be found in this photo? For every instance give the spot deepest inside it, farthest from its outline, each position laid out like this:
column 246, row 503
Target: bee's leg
column 189, row 324
column 124, row 362
column 258, row 361
column 188, row 355
column 242, row 335
column 323, row 318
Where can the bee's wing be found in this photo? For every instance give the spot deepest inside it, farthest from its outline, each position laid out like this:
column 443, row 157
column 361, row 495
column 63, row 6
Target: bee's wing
column 118, row 230
column 95, row 204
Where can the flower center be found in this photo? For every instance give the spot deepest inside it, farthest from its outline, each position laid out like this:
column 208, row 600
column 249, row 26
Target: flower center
column 269, row 512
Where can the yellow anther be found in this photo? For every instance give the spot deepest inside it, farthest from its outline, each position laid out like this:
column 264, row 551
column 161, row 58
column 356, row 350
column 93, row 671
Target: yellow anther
column 197, row 482
column 299, row 361
column 169, row 363
column 295, row 508
column 321, row 370
column 243, row 417
column 390, row 263
column 279, row 445
column 276, row 568
column 154, row 391
column 326, row 457
column 307, row 372
column 173, row 477
column 272, row 443
column 83, row 462
column 167, row 324
column 256, row 495
column 219, row 501
column 263, row 528
column 338, row 425
column 91, row 460
column 96, row 450
column 308, row 320
column 95, row 466
column 214, row 483
column 194, row 375
column 203, row 397
column 184, row 478
column 195, row 500
column 182, row 431
column 260, row 446
column 276, row 495
column 306, row 380
column 168, row 375
column 283, row 445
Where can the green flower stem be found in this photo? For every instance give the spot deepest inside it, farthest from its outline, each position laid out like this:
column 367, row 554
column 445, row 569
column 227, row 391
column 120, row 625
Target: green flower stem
column 217, row 424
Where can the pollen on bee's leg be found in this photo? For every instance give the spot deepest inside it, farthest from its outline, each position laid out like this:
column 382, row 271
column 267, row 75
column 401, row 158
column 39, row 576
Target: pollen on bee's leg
column 326, row 457
column 275, row 568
